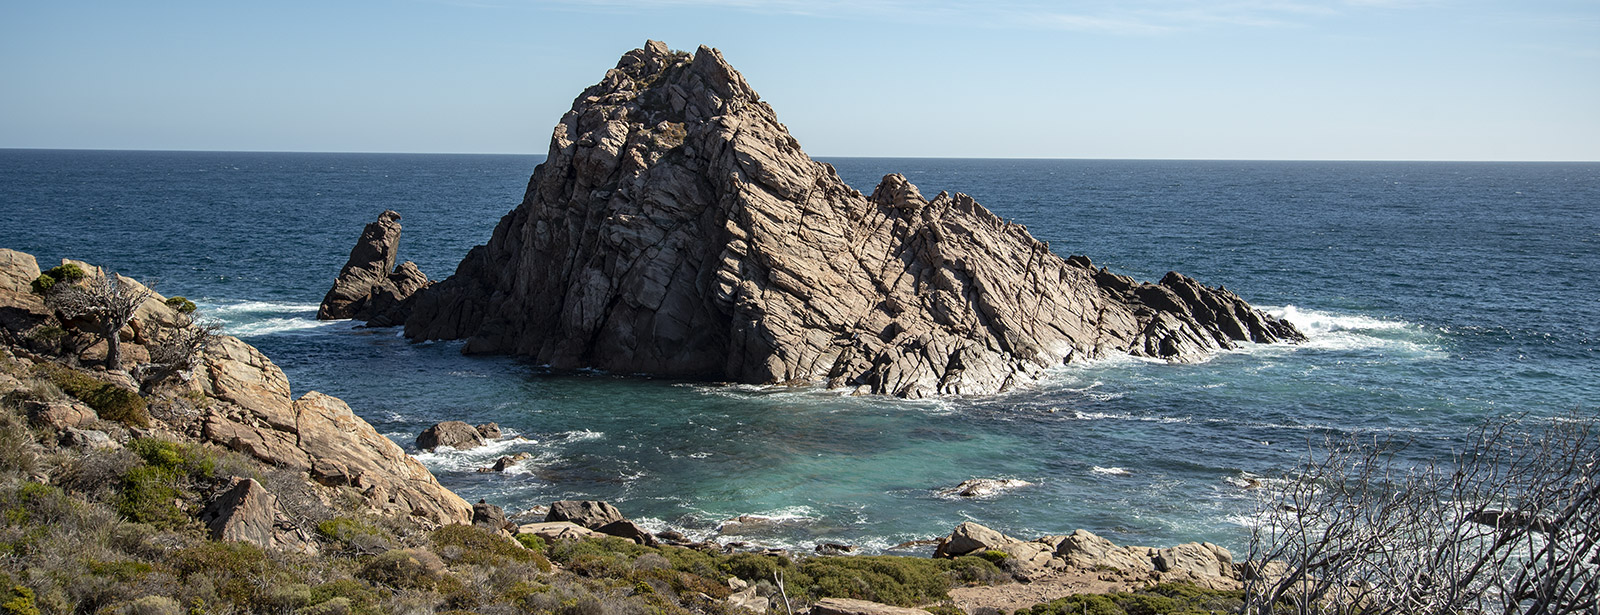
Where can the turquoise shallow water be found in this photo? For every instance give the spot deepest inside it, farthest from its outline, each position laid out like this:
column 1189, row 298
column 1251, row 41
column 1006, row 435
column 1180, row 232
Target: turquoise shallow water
column 1435, row 294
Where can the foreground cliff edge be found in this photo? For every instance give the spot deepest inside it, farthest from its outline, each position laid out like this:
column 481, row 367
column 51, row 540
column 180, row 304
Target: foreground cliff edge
column 677, row 229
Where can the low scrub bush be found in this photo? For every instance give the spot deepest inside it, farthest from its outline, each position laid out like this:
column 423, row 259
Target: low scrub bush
column 182, row 304
column 1162, row 599
column 42, row 284
column 471, row 544
column 68, row 272
column 111, row 402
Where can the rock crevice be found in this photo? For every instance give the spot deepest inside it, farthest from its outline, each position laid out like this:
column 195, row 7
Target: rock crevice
column 676, row 228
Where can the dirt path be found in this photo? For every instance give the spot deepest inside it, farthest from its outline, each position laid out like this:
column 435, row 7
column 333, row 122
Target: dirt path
column 1013, row 596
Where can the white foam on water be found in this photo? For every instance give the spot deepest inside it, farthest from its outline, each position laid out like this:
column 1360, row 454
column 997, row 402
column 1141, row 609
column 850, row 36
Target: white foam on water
column 1113, row 471
column 1345, row 332
column 1100, row 416
column 272, row 326
column 448, row 459
column 258, row 307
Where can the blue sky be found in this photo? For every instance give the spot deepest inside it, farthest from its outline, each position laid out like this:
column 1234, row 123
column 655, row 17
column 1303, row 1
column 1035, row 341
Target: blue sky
column 1249, row 79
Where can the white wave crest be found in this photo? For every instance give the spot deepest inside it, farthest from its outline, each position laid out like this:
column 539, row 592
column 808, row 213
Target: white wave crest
column 257, row 307
column 1113, row 471
column 275, row 325
column 1343, row 332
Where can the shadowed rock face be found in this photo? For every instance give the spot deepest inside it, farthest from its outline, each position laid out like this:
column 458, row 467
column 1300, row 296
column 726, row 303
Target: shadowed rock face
column 370, row 287
column 677, row 229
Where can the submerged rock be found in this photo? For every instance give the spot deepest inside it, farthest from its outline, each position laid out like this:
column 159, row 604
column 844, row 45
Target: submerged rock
column 677, row 229
column 370, row 287
column 984, row 487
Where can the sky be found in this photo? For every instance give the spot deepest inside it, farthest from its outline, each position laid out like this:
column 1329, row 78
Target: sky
column 1165, row 79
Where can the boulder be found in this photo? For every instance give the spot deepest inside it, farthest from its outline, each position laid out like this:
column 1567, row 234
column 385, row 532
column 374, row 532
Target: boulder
column 370, row 287
column 629, row 530
column 506, row 463
column 489, row 516
column 17, row 271
column 969, row 538
column 747, row 599
column 87, row 438
column 247, row 512
column 558, row 530
column 1028, row 558
column 587, row 513
column 58, row 415
column 1201, row 559
column 454, row 434
column 489, row 431
column 1084, row 549
column 984, row 487
column 847, row 606
column 676, row 228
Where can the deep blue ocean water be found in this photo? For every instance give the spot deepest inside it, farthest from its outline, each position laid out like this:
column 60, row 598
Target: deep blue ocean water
column 1436, row 295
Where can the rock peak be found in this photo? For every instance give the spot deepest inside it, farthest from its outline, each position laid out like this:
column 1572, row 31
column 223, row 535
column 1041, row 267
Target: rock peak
column 678, row 229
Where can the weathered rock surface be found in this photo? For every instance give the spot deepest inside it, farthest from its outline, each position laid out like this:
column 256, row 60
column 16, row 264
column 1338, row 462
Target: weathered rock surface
column 557, row 530
column 370, row 287
column 317, row 433
column 969, row 538
column 676, row 228
column 454, row 434
column 247, row 512
column 1200, row 563
column 587, row 513
column 629, row 530
column 849, row 606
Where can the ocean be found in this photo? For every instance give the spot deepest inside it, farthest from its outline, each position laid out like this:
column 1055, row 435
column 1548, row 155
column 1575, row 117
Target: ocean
column 1435, row 295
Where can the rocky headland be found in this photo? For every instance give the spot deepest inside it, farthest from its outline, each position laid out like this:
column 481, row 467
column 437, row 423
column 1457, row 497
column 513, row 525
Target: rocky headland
column 677, row 228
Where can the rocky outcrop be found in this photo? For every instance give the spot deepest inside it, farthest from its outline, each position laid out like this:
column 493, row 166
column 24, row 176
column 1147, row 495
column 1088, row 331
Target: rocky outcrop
column 851, row 606
column 676, row 228
column 454, row 434
column 246, row 512
column 370, row 287
column 587, row 513
column 1201, row 563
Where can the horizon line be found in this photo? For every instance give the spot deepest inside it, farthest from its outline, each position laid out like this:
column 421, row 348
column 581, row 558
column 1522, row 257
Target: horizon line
column 812, row 156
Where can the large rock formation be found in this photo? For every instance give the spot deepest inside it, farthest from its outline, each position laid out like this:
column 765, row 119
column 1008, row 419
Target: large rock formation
column 676, row 228
column 370, row 287
column 245, row 404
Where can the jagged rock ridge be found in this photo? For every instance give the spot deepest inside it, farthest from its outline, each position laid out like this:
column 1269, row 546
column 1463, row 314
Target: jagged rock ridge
column 370, row 286
column 676, row 228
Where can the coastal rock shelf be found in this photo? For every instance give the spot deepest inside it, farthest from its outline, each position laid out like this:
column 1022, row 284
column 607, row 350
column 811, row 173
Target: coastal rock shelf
column 677, row 229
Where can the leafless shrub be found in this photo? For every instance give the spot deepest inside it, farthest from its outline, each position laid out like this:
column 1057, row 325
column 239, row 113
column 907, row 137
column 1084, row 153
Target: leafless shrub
column 109, row 301
column 1508, row 525
column 176, row 352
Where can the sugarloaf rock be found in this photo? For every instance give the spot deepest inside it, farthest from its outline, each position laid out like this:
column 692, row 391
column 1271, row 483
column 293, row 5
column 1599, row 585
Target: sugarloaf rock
column 677, row 229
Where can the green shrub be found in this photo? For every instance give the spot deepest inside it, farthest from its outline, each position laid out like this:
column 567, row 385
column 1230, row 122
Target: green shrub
column 47, row 334
column 346, row 530
column 111, row 402
column 43, row 284
column 351, row 595
column 182, row 304
column 408, row 569
column 68, row 272
column 147, row 496
column 994, row 556
column 479, row 546
column 192, row 460
column 19, row 602
column 531, row 542
column 1162, row 599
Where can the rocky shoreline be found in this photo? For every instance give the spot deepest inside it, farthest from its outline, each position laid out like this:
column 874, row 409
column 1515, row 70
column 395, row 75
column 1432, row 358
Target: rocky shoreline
column 304, row 482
